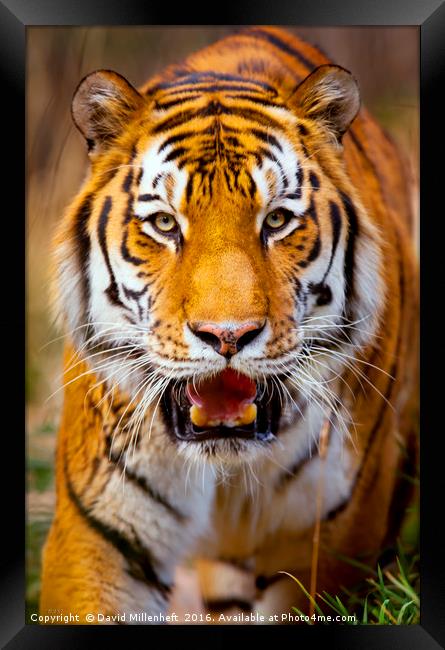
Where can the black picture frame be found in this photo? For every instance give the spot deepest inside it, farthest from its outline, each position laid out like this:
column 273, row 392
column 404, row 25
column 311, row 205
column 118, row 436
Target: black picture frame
column 15, row 17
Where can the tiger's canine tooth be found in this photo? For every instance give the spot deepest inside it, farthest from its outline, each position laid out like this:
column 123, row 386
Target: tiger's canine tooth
column 249, row 414
column 198, row 416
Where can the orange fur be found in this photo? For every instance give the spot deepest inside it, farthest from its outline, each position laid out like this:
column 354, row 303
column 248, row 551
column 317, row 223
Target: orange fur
column 222, row 276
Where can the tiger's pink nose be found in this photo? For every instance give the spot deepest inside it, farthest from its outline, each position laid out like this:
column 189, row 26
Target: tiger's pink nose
column 227, row 340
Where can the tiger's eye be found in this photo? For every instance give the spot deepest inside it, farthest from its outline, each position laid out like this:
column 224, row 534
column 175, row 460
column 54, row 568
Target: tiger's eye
column 165, row 222
column 275, row 219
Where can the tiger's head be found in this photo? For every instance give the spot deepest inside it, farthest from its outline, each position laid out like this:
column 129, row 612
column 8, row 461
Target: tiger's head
column 218, row 250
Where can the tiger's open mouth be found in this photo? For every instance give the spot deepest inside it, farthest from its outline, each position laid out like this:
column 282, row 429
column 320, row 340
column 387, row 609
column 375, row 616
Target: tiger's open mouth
column 228, row 405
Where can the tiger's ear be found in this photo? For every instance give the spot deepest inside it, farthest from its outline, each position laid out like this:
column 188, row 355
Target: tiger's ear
column 329, row 95
column 102, row 105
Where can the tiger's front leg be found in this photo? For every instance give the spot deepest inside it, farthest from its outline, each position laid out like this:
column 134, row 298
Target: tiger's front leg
column 92, row 568
column 124, row 520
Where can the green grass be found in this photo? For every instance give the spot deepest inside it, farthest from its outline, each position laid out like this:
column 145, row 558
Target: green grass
column 40, row 474
column 389, row 596
column 40, row 485
column 36, row 532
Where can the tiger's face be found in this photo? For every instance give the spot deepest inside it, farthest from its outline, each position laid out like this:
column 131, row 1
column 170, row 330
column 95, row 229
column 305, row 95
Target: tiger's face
column 216, row 249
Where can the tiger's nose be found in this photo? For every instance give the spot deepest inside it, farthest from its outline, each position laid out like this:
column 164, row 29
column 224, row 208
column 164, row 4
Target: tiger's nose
column 227, row 340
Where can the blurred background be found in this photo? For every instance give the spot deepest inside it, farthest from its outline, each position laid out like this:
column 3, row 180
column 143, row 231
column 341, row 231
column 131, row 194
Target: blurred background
column 384, row 60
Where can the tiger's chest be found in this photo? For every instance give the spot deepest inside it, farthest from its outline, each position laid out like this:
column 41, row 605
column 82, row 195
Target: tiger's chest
column 257, row 506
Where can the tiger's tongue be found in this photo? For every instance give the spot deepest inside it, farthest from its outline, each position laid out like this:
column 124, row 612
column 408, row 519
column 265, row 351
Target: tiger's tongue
column 225, row 399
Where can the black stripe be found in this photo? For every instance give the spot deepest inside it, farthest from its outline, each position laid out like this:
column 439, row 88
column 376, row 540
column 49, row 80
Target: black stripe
column 176, row 120
column 128, row 181
column 338, row 509
column 139, row 559
column 202, row 77
column 295, row 469
column 303, row 132
column 268, row 154
column 218, row 87
column 128, row 257
column 315, row 250
column 136, row 296
column 149, row 197
column 232, row 141
column 228, row 180
column 299, row 177
column 240, row 563
column 178, row 137
column 159, row 106
column 255, row 115
column 176, row 153
column 252, row 184
column 210, row 178
column 216, row 108
column 256, row 100
column 336, row 229
column 189, row 188
column 314, row 180
column 142, row 483
column 263, row 582
column 219, row 605
column 112, row 291
column 311, row 212
column 283, row 46
column 154, row 495
column 324, row 296
column 131, row 294
column 83, row 250
column 293, row 472
column 157, row 179
column 267, row 137
column 353, row 231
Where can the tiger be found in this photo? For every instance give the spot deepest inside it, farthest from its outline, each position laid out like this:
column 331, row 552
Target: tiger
column 237, row 284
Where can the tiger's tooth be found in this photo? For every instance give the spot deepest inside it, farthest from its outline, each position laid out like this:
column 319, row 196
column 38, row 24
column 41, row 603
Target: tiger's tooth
column 249, row 414
column 198, row 416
